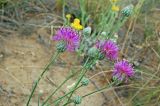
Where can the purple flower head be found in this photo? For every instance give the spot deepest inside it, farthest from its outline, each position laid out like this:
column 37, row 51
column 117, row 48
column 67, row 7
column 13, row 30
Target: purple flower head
column 123, row 69
column 108, row 48
column 69, row 36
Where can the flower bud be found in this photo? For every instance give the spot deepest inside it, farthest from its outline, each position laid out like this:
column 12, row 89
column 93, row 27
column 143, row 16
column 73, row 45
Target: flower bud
column 103, row 36
column 93, row 52
column 85, row 81
column 87, row 31
column 104, row 33
column 68, row 16
column 101, row 56
column 127, row 11
column 77, row 100
column 61, row 47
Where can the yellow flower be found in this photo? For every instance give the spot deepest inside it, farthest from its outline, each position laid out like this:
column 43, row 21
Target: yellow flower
column 77, row 21
column 68, row 16
column 114, row 0
column 76, row 24
column 115, row 8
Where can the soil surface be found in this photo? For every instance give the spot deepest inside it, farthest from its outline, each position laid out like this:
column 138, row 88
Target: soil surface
column 22, row 60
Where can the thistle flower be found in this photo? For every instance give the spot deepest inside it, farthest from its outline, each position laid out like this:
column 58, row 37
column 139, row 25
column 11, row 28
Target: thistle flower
column 115, row 8
column 108, row 48
column 69, row 36
column 76, row 24
column 123, row 70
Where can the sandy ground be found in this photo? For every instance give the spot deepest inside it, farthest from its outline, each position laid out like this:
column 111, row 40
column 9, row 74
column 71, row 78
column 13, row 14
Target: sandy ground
column 22, row 60
column 23, row 56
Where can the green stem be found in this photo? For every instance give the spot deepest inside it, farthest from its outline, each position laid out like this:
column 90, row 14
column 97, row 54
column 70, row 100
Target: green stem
column 52, row 60
column 117, row 26
column 83, row 12
column 39, row 96
column 97, row 91
column 63, row 10
column 67, row 103
column 57, row 89
column 84, row 70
